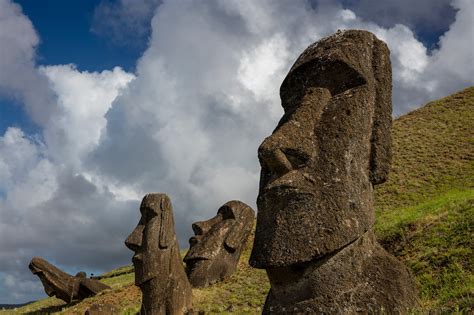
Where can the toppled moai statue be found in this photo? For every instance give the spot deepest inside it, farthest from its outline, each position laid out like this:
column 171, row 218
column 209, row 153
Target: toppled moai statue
column 218, row 242
column 62, row 285
column 159, row 271
column 315, row 219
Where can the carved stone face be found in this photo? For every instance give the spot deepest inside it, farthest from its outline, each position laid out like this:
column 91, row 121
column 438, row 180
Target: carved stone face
column 319, row 165
column 51, row 277
column 218, row 242
column 159, row 270
column 152, row 237
column 61, row 284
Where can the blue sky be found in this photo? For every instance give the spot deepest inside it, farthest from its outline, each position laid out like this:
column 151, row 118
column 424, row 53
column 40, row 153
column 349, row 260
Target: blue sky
column 65, row 29
column 104, row 101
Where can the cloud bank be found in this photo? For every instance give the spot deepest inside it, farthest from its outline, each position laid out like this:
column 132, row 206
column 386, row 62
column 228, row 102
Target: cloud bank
column 187, row 123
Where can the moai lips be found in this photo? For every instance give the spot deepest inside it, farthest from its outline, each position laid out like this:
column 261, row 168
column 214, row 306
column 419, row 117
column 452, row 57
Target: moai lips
column 218, row 242
column 159, row 271
column 62, row 285
column 318, row 169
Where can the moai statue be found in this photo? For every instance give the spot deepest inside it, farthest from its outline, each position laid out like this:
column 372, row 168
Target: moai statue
column 62, row 285
column 315, row 218
column 159, row 271
column 218, row 242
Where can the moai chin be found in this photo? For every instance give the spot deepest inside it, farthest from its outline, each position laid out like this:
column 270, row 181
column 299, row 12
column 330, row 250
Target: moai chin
column 218, row 242
column 63, row 285
column 159, row 271
column 318, row 169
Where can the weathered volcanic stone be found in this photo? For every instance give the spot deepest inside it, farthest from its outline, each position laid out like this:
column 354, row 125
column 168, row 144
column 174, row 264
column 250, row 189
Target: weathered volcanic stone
column 319, row 167
column 62, row 285
column 359, row 278
column 159, row 271
column 218, row 242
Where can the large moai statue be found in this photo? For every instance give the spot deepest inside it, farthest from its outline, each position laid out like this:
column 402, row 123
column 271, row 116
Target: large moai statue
column 218, row 242
column 316, row 213
column 63, row 285
column 159, row 271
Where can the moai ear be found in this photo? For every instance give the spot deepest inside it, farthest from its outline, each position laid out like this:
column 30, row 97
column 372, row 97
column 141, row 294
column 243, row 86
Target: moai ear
column 241, row 229
column 234, row 238
column 166, row 226
column 380, row 154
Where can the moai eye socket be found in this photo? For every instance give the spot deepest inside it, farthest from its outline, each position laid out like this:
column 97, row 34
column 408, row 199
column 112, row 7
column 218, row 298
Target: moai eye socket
column 226, row 213
column 147, row 214
column 297, row 158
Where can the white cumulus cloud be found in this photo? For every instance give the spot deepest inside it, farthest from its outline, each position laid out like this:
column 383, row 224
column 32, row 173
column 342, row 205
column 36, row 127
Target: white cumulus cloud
column 19, row 79
column 83, row 100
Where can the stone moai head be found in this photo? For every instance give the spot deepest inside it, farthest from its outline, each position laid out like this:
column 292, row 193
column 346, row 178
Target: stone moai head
column 330, row 148
column 159, row 270
column 153, row 238
column 63, row 285
column 218, row 242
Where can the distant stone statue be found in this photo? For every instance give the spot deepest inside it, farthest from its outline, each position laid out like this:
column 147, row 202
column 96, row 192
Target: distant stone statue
column 215, row 249
column 159, row 271
column 315, row 219
column 62, row 285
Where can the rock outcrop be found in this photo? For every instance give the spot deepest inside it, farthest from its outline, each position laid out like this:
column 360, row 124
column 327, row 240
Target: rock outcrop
column 215, row 249
column 159, row 271
column 63, row 285
column 315, row 205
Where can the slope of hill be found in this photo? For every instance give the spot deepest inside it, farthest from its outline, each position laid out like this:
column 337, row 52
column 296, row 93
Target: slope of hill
column 426, row 209
column 425, row 215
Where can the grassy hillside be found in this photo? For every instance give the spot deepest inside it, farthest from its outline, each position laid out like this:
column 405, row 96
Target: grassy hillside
column 425, row 212
column 425, row 215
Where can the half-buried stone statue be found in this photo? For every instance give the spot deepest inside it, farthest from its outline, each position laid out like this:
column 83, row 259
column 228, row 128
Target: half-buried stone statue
column 62, row 285
column 159, row 271
column 315, row 219
column 218, row 242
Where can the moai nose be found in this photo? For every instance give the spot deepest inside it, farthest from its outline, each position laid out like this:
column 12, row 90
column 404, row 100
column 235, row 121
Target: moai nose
column 134, row 240
column 273, row 158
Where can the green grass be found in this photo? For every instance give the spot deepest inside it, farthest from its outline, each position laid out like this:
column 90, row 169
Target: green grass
column 433, row 152
column 116, row 272
column 434, row 239
column 396, row 223
column 123, row 294
column 425, row 217
column 425, row 210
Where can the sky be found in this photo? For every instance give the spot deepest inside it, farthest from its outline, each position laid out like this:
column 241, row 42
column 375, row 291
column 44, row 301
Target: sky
column 102, row 101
